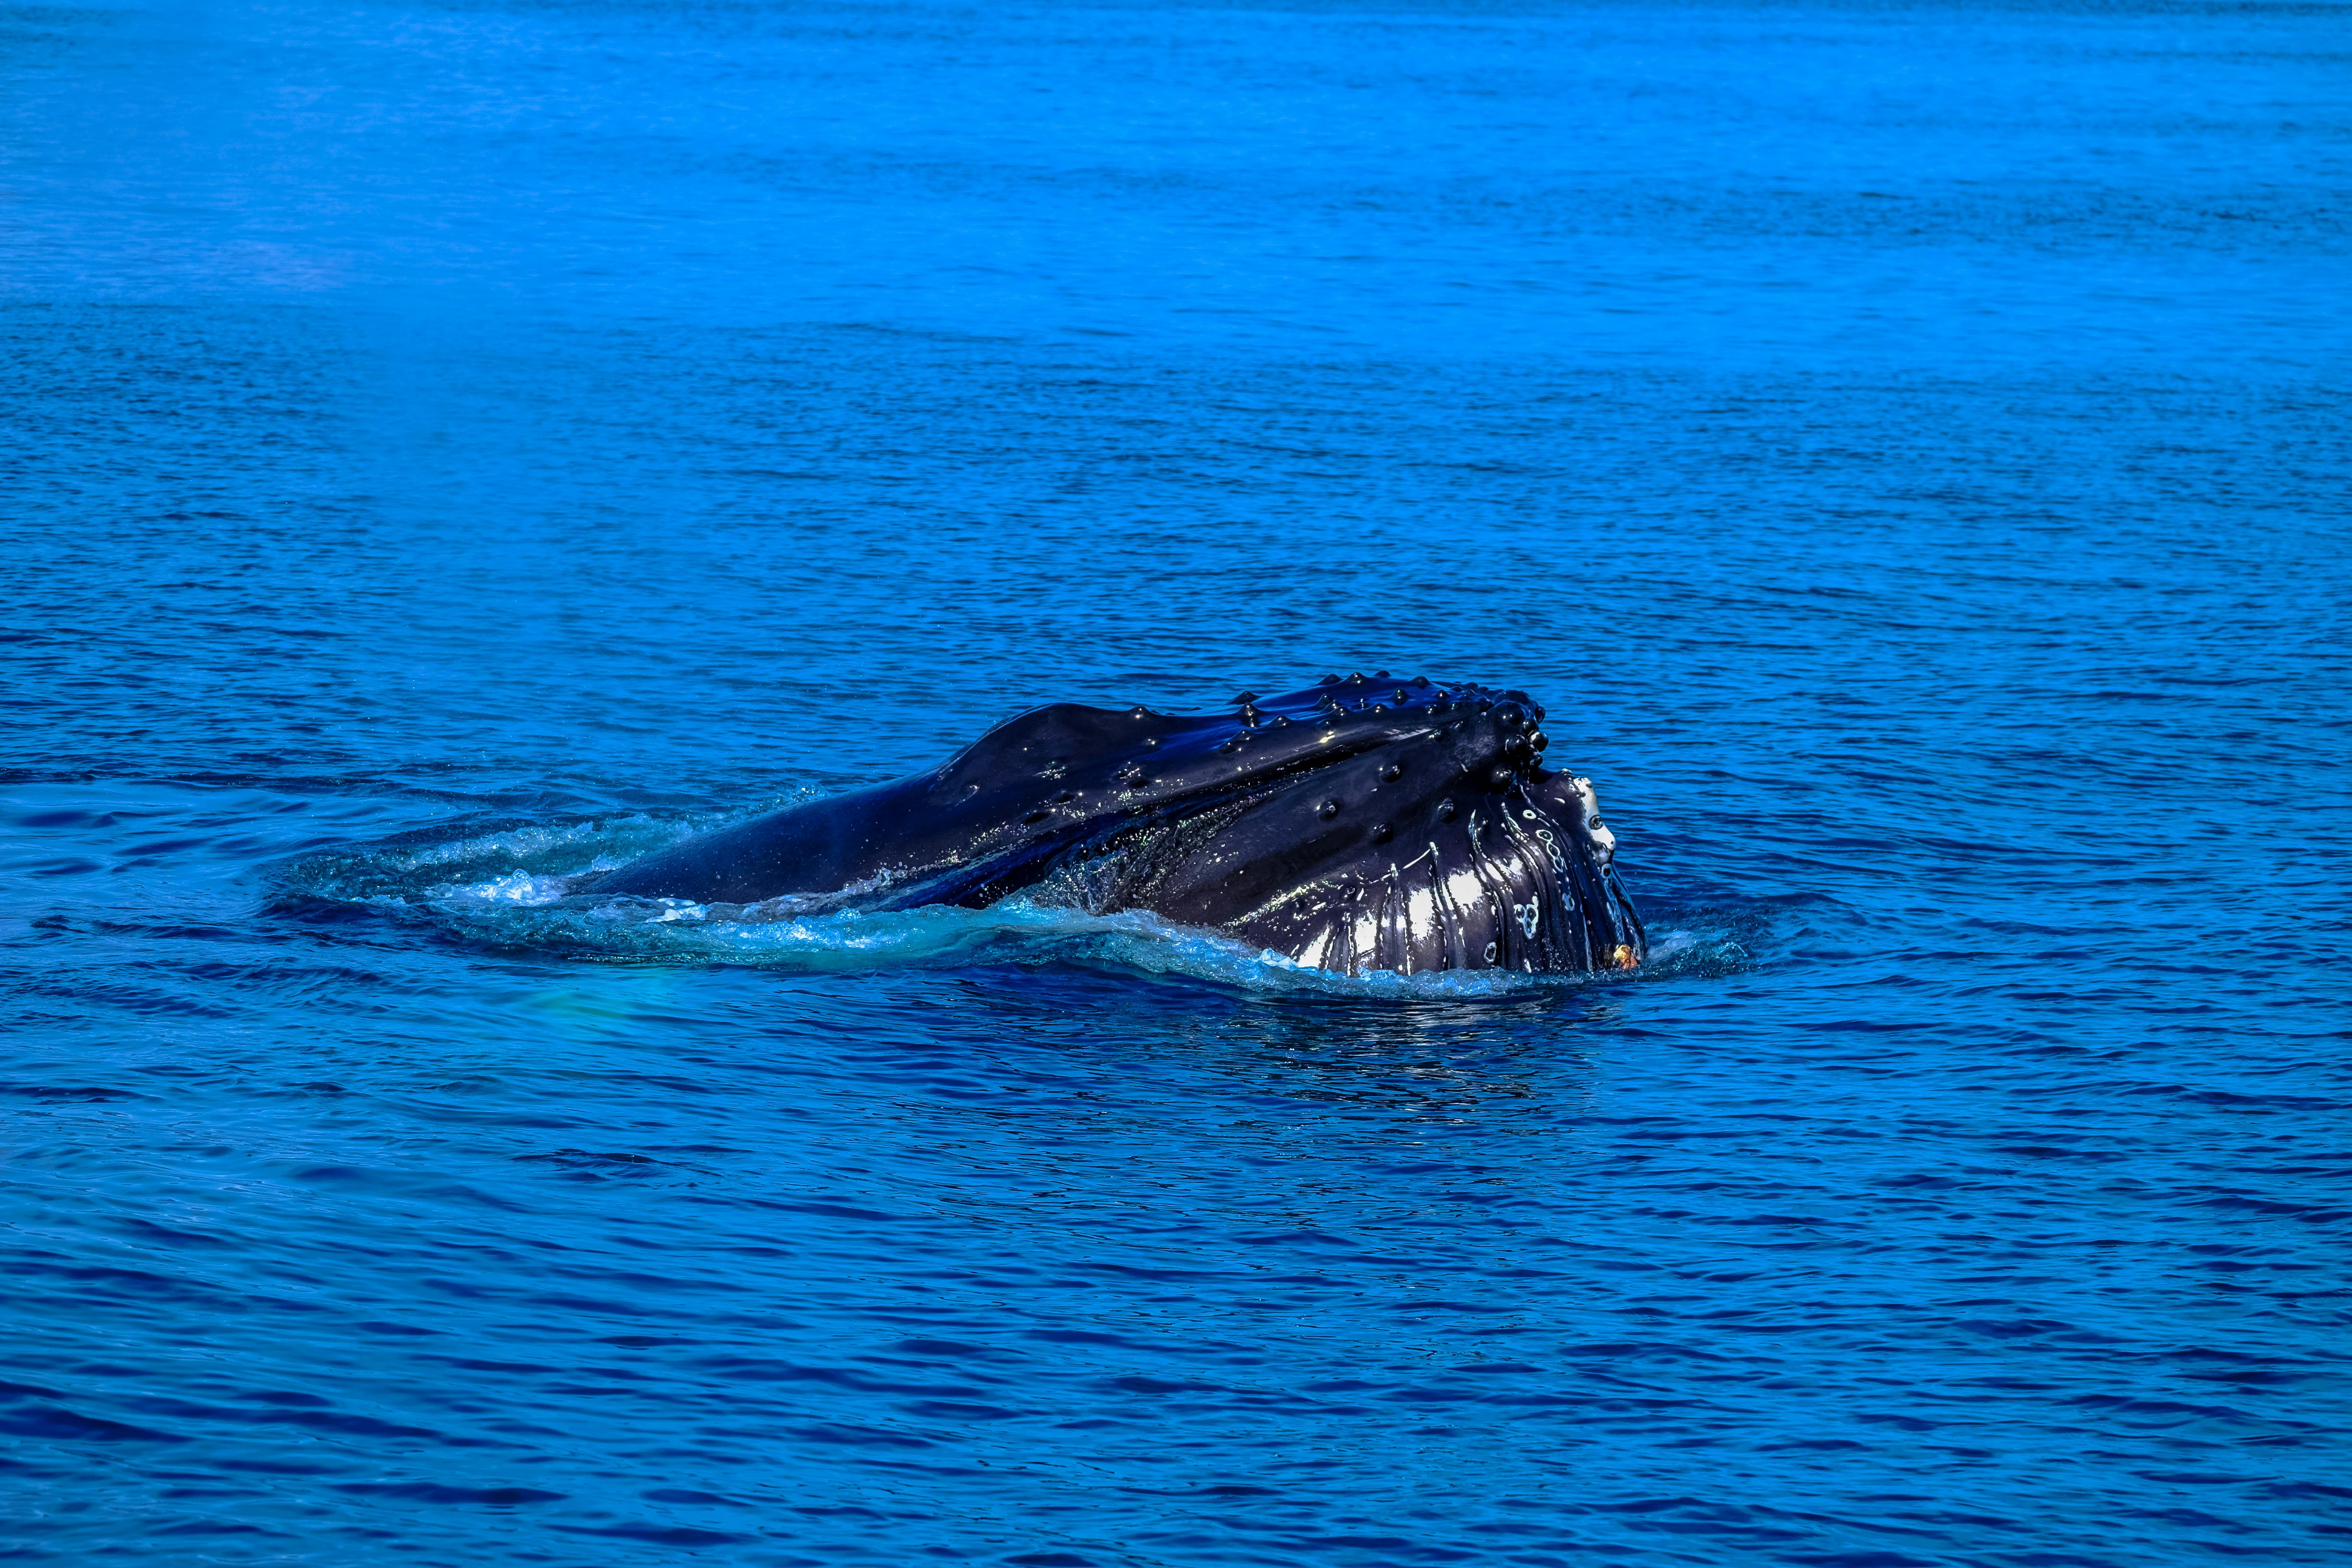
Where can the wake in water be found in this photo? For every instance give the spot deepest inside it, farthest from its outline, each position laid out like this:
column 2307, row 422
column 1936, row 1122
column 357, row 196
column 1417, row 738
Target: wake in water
column 522, row 886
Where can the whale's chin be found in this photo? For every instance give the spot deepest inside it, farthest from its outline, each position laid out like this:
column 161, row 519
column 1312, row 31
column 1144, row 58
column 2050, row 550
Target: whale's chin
column 1356, row 825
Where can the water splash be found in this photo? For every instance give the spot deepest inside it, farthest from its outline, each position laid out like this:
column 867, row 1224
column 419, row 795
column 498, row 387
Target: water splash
column 527, row 886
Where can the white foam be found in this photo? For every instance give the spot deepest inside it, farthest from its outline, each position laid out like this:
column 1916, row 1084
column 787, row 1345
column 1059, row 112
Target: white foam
column 543, row 903
column 514, row 888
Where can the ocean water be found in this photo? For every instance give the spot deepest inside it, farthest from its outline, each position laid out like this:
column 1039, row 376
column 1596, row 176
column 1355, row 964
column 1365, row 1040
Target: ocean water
column 1907, row 449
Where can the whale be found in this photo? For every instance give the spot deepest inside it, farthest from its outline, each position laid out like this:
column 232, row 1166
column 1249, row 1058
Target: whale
column 1365, row 823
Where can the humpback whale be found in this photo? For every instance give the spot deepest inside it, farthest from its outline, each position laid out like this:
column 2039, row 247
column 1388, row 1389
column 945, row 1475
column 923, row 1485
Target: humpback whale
column 1360, row 823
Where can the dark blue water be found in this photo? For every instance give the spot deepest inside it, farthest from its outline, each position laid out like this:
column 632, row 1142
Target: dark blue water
column 1907, row 448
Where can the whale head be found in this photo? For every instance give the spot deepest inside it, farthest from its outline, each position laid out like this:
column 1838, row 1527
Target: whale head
column 1428, row 835
column 1364, row 823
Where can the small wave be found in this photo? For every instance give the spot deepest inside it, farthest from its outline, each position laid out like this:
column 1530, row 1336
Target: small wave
column 518, row 910
column 1698, row 949
column 527, row 886
column 421, row 868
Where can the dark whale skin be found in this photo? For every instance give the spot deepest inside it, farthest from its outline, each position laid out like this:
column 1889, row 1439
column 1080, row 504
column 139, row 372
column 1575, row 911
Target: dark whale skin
column 1359, row 824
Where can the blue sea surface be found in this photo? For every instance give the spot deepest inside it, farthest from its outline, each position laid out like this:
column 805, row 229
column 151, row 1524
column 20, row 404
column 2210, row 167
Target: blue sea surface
column 446, row 446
